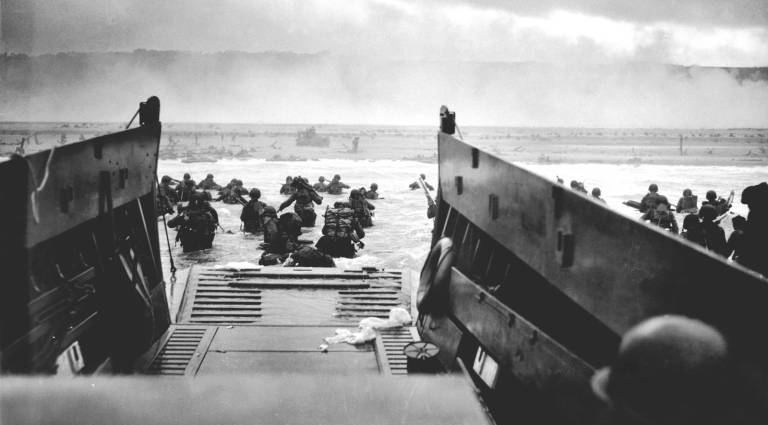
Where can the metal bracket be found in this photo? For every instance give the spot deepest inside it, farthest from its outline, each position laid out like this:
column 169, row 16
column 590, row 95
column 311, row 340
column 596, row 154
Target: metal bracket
column 66, row 195
column 493, row 206
column 565, row 248
column 122, row 177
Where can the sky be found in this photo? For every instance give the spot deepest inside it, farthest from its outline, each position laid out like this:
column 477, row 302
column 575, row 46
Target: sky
column 687, row 32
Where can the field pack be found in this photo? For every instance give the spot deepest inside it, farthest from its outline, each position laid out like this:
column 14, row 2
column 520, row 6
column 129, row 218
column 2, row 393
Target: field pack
column 338, row 223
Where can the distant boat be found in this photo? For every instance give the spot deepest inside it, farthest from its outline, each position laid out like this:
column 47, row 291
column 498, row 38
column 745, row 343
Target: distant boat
column 309, row 137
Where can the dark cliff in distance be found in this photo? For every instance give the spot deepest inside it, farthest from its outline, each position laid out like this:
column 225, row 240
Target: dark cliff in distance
column 290, row 87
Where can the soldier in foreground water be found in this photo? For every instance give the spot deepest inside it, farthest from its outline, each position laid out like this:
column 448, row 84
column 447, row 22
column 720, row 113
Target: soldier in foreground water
column 196, row 225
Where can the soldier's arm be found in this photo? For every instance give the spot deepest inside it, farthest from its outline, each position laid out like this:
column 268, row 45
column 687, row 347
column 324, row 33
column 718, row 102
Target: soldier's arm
column 214, row 214
column 175, row 221
column 358, row 229
column 287, row 202
column 343, row 185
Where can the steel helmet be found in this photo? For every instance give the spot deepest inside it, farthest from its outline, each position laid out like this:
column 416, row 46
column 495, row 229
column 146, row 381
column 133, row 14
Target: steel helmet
column 691, row 221
column 322, row 179
column 269, row 211
column 653, row 188
column 255, row 193
column 707, row 212
column 596, row 192
column 374, row 186
column 687, row 192
column 669, row 369
column 711, row 195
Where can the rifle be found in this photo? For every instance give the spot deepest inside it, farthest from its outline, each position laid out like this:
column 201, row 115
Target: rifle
column 299, row 184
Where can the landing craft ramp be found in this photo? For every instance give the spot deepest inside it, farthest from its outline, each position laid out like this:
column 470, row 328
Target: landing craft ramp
column 233, row 321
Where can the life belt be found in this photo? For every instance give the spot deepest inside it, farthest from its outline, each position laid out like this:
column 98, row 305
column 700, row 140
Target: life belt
column 435, row 276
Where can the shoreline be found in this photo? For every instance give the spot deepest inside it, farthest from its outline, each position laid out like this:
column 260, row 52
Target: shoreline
column 636, row 147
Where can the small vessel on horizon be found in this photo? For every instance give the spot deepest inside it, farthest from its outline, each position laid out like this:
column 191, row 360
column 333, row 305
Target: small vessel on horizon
column 309, row 137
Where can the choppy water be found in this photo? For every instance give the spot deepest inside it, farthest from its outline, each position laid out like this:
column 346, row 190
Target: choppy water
column 401, row 233
column 399, row 238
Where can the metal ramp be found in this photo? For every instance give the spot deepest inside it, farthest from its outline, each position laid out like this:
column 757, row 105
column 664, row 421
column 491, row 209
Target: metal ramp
column 264, row 295
column 273, row 319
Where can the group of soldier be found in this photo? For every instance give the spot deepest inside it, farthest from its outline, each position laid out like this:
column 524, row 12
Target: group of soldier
column 579, row 187
column 701, row 223
column 342, row 230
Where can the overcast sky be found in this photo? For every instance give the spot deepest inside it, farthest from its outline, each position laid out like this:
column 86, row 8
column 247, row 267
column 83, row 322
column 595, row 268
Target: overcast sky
column 706, row 32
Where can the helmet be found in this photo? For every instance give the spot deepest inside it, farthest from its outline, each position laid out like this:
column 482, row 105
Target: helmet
column 254, row 193
column 574, row 184
column 707, row 212
column 288, row 179
column 354, row 193
column 207, row 196
column 596, row 192
column 195, row 198
column 374, row 186
column 166, row 179
column 186, row 176
column 711, row 195
column 665, row 365
column 321, row 178
column 687, row 192
column 209, row 176
column 653, row 188
column 423, row 176
column 336, row 177
column 690, row 221
column 755, row 196
column 269, row 212
column 739, row 222
column 661, row 199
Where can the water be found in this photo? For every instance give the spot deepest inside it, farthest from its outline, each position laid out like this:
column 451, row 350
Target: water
column 399, row 238
column 401, row 234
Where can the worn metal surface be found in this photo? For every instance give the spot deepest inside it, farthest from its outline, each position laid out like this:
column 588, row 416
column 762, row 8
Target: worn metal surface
column 80, row 260
column 273, row 295
column 183, row 348
column 389, row 346
column 73, row 178
column 260, row 398
column 510, row 339
column 618, row 269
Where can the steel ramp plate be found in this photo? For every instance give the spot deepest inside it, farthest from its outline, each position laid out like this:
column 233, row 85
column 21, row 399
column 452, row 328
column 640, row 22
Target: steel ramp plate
column 195, row 350
column 289, row 296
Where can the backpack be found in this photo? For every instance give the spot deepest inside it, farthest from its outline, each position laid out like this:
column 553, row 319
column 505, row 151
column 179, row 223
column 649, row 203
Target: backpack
column 338, row 222
column 289, row 224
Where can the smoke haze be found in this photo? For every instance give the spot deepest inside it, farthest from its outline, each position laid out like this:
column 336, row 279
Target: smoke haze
column 296, row 88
